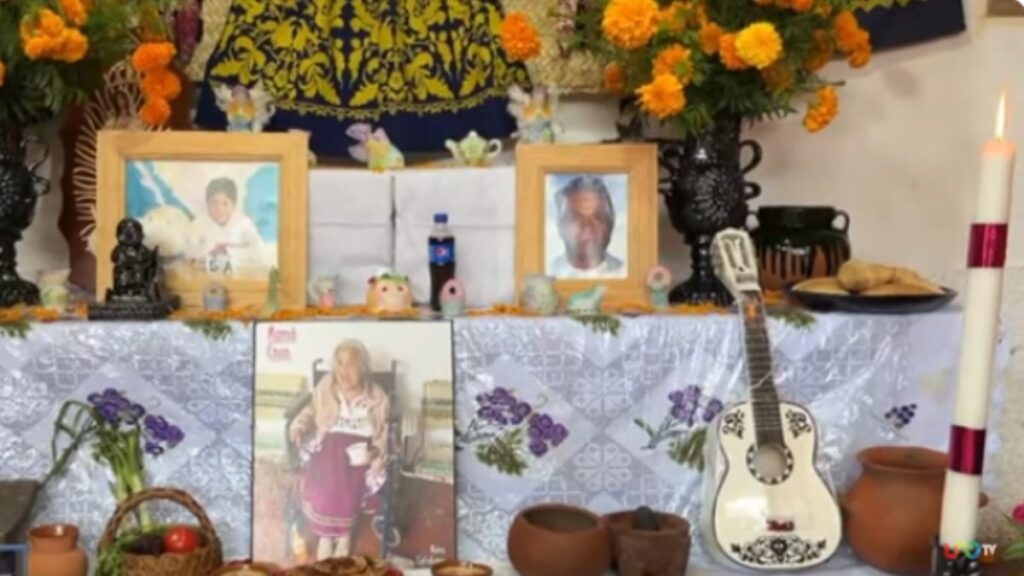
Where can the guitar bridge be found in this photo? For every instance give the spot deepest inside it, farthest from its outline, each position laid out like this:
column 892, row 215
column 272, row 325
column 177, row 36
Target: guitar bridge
column 780, row 525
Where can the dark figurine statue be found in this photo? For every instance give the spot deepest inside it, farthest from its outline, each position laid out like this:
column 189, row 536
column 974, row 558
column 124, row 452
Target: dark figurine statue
column 137, row 293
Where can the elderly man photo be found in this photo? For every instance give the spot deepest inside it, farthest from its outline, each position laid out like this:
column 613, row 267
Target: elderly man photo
column 586, row 224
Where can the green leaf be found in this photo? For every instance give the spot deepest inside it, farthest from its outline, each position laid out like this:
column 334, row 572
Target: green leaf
column 792, row 315
column 216, row 330
column 504, row 453
column 18, row 329
column 599, row 323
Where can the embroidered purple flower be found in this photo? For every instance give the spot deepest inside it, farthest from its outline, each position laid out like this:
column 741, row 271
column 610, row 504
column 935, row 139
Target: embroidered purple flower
column 538, row 448
column 685, row 412
column 520, row 412
column 115, row 409
column 160, row 434
column 711, row 409
column 558, row 434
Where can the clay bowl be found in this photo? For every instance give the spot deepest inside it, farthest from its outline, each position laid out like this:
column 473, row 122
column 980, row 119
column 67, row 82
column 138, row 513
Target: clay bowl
column 665, row 551
column 457, row 568
column 559, row 540
column 248, row 568
column 50, row 538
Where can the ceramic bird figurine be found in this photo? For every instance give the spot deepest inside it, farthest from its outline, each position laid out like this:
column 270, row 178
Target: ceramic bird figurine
column 374, row 148
column 535, row 114
column 659, row 279
column 248, row 109
column 587, row 302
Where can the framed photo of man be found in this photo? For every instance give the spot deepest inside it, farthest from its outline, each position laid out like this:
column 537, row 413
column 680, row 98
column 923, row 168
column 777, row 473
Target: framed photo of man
column 220, row 208
column 588, row 215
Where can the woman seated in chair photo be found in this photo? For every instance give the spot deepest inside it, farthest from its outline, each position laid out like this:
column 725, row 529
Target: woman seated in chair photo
column 343, row 431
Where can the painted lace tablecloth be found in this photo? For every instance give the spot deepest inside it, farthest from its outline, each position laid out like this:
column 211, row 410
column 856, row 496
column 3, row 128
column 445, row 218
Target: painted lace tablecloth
column 611, row 411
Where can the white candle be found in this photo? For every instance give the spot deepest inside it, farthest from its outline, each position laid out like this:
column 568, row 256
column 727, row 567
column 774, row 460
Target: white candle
column 982, row 301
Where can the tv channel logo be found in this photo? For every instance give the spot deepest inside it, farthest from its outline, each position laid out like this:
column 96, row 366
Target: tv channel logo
column 13, row 560
column 973, row 550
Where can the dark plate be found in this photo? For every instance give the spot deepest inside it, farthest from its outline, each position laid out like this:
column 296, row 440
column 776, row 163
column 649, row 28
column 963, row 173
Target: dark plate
column 872, row 304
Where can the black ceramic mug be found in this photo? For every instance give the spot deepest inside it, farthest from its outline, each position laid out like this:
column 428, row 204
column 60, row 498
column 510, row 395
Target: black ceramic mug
column 795, row 243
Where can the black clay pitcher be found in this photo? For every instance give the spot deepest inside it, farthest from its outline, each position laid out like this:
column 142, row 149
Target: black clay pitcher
column 795, row 243
column 20, row 188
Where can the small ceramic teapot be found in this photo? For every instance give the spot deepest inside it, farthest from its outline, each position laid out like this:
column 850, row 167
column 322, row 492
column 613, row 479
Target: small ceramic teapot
column 473, row 150
column 539, row 295
column 215, row 297
column 453, row 298
column 389, row 292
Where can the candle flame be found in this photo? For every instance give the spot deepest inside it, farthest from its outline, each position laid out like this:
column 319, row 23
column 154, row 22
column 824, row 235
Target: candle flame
column 1001, row 117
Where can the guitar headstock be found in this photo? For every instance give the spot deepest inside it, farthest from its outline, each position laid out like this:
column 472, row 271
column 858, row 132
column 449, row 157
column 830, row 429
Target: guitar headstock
column 735, row 260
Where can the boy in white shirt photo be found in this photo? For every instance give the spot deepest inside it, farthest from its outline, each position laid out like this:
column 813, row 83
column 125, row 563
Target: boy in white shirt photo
column 224, row 238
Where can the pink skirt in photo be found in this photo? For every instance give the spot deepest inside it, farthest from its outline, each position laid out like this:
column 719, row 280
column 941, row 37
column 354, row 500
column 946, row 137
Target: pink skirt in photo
column 332, row 488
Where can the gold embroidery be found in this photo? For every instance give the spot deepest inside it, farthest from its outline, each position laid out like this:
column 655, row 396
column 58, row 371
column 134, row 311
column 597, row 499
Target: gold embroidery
column 360, row 59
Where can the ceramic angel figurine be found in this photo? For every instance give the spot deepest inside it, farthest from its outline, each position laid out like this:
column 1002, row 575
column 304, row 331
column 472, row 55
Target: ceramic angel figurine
column 535, row 114
column 374, row 148
column 248, row 109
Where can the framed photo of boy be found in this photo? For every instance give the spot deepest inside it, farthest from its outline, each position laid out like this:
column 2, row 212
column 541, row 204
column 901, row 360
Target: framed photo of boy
column 221, row 208
column 587, row 215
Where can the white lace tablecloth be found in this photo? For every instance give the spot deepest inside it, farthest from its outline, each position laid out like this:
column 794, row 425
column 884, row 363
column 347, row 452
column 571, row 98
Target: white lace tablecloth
column 606, row 392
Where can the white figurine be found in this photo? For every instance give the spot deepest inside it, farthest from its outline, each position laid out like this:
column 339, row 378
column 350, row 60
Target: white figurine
column 248, row 109
column 535, row 114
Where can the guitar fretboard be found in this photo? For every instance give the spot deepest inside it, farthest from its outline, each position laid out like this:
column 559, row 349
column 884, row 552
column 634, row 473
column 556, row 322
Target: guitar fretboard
column 764, row 399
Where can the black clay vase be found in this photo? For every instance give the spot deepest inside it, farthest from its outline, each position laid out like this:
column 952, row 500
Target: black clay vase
column 20, row 188
column 705, row 191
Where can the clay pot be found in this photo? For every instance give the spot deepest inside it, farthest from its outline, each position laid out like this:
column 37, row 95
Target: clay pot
column 893, row 511
column 53, row 551
column 559, row 540
column 662, row 552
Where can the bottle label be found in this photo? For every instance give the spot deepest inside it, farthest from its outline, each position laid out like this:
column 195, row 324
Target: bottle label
column 442, row 253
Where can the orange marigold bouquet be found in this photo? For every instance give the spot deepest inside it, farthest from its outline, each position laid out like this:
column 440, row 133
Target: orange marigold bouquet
column 53, row 54
column 692, row 61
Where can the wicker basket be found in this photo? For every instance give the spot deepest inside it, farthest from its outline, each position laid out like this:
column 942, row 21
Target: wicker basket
column 201, row 562
column 575, row 72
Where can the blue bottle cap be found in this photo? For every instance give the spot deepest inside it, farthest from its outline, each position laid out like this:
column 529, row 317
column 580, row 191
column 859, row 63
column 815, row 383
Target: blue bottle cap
column 441, row 218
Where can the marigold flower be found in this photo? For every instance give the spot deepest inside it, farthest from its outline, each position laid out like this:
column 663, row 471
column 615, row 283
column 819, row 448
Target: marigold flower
column 155, row 112
column 779, row 77
column 824, row 50
column 710, row 34
column 759, row 44
column 727, row 52
column 849, row 35
column 861, row 56
column 630, row 24
column 162, row 84
column 151, row 56
column 663, row 97
column 519, row 38
column 72, row 47
column 74, row 11
column 802, row 5
column 825, row 108
column 674, row 60
column 50, row 23
column 614, row 78
column 3, row 73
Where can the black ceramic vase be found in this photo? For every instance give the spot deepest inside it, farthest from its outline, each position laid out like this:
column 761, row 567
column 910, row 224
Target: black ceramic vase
column 20, row 188
column 705, row 192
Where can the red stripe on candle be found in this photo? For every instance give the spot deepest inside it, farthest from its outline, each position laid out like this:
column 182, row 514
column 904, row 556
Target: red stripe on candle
column 988, row 246
column 966, row 450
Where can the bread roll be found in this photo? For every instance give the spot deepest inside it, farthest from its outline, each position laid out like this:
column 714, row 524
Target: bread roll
column 858, row 276
column 828, row 285
column 908, row 277
column 899, row 289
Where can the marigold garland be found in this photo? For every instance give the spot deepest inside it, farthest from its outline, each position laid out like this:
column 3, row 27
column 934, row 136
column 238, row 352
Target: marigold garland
column 614, row 78
column 674, row 60
column 519, row 38
column 75, row 11
column 759, row 44
column 663, row 97
column 153, row 56
column 825, row 108
column 851, row 39
column 155, row 112
column 710, row 36
column 824, row 50
column 161, row 84
column 630, row 24
column 3, row 73
column 727, row 52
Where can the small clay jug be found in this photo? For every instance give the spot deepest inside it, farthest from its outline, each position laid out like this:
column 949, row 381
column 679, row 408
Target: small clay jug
column 559, row 540
column 53, row 551
column 664, row 551
column 893, row 511
column 795, row 243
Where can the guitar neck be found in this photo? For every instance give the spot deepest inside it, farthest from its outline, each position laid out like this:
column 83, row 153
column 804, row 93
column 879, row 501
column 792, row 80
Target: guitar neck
column 763, row 397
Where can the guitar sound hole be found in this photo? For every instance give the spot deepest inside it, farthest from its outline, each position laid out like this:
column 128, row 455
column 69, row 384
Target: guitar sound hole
column 770, row 463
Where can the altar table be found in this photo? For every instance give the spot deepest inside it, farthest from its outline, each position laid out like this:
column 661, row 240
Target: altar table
column 608, row 395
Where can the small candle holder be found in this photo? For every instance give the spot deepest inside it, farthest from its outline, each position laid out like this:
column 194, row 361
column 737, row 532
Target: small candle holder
column 959, row 565
column 460, row 568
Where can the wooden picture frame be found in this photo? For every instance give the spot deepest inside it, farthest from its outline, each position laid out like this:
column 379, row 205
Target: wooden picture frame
column 142, row 168
column 546, row 173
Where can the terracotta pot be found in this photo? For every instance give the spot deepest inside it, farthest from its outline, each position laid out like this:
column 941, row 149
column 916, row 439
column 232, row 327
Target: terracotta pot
column 662, row 552
column 559, row 540
column 893, row 511
column 53, row 551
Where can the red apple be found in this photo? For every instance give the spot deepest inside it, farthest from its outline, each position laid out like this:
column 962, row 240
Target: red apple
column 181, row 540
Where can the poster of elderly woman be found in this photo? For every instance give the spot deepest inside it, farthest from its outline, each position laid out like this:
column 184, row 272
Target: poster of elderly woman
column 354, row 440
